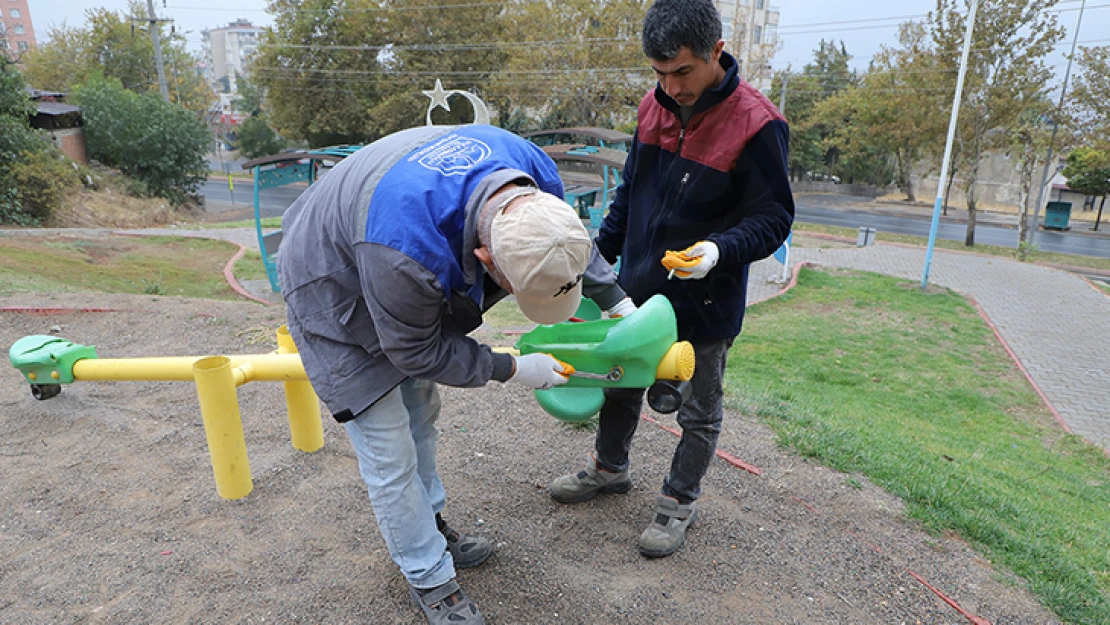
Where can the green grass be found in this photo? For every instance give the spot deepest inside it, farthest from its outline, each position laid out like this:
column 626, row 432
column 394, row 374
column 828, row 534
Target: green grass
column 249, row 267
column 186, row 267
column 872, row 376
column 267, row 224
column 236, row 173
column 506, row 315
column 1037, row 256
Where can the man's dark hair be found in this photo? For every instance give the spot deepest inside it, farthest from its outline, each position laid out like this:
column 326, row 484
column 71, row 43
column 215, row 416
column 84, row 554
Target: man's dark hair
column 673, row 24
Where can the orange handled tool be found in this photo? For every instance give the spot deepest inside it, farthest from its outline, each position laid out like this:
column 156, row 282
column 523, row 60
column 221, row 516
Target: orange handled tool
column 675, row 262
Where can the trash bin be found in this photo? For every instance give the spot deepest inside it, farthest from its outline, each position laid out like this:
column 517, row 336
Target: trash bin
column 1056, row 215
column 866, row 236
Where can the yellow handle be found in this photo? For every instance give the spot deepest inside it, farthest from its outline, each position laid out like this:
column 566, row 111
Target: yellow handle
column 568, row 369
column 676, row 261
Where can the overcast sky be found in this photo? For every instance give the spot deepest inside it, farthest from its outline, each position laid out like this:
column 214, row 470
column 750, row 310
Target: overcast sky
column 802, row 24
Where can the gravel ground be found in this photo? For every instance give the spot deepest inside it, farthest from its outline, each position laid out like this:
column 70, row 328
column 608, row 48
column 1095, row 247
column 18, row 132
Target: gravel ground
column 110, row 514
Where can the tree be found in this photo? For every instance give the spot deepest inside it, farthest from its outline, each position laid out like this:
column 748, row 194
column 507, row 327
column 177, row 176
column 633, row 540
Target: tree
column 320, row 65
column 1090, row 98
column 111, row 43
column 1088, row 172
column 824, row 77
column 852, row 134
column 802, row 96
column 897, row 116
column 257, row 139
column 162, row 144
column 574, row 62
column 1029, row 138
column 250, row 96
column 1006, row 72
column 336, row 71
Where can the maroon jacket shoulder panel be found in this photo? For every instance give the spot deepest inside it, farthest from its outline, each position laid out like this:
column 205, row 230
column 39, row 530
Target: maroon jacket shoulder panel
column 657, row 126
column 714, row 138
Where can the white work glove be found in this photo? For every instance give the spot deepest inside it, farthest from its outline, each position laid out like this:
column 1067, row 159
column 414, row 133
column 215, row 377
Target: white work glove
column 540, row 371
column 709, row 254
column 623, row 308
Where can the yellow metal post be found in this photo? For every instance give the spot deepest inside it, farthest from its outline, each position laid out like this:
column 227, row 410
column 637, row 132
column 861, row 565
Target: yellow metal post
column 305, row 427
column 223, row 425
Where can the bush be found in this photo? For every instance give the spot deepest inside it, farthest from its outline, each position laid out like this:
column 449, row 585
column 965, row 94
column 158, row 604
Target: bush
column 162, row 144
column 29, row 175
column 257, row 139
column 41, row 181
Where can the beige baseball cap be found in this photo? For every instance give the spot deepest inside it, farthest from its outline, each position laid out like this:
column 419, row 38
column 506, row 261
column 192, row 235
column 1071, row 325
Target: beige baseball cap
column 542, row 248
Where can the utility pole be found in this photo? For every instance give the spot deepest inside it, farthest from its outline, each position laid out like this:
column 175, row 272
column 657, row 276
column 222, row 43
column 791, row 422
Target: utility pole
column 1055, row 126
column 948, row 144
column 153, row 21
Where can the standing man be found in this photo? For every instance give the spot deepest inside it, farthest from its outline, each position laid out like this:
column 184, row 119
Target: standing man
column 387, row 263
column 707, row 175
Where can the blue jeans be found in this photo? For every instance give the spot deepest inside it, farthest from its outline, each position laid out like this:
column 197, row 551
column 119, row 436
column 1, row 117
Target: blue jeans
column 700, row 419
column 395, row 440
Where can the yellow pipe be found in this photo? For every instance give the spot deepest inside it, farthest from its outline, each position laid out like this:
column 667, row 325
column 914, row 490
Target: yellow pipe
column 223, row 426
column 677, row 363
column 303, row 407
column 266, row 367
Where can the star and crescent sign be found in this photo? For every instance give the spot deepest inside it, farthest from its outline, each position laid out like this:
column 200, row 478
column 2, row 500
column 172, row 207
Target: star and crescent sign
column 439, row 97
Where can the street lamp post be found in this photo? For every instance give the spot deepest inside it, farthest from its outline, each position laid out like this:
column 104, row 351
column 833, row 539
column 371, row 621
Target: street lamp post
column 948, row 144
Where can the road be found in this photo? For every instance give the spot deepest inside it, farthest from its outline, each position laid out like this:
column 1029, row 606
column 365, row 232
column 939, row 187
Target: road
column 274, row 201
column 1047, row 241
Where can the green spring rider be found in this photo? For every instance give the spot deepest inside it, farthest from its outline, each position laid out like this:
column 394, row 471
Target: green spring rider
column 640, row 351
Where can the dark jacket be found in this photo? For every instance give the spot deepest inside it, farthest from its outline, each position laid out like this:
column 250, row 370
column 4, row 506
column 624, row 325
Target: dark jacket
column 723, row 178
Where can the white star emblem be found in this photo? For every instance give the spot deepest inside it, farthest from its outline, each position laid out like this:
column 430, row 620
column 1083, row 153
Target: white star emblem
column 438, row 96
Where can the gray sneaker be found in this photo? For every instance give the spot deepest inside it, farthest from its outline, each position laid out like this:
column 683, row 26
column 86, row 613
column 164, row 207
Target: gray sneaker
column 467, row 550
column 575, row 488
column 447, row 605
column 667, row 531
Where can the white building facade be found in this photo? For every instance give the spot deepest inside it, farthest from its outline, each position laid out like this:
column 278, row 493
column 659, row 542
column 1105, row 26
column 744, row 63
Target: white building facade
column 750, row 30
column 228, row 51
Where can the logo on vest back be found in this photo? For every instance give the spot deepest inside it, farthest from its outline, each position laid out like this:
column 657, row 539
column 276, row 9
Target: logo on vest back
column 452, row 155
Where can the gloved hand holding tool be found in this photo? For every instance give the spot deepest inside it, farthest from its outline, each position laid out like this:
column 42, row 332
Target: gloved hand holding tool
column 540, row 371
column 622, row 308
column 692, row 263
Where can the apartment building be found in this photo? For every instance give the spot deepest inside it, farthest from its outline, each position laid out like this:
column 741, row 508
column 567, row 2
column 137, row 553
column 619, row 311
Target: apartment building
column 750, row 30
column 227, row 51
column 16, row 30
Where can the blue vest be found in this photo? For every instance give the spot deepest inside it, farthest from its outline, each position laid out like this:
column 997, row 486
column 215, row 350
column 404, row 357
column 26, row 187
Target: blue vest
column 420, row 205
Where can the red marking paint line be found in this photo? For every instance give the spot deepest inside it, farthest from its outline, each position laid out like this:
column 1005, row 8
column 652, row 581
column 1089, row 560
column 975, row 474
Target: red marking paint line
column 59, row 310
column 975, row 620
column 723, row 455
column 230, row 277
column 793, row 282
column 1094, row 286
column 972, row 618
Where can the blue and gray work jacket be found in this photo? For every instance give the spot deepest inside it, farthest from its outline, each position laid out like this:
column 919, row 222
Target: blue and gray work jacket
column 377, row 262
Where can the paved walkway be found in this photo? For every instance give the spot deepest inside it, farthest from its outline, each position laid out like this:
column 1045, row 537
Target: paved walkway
column 1055, row 322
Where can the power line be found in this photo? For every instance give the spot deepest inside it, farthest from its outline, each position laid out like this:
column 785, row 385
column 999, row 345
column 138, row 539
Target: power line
column 441, row 7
